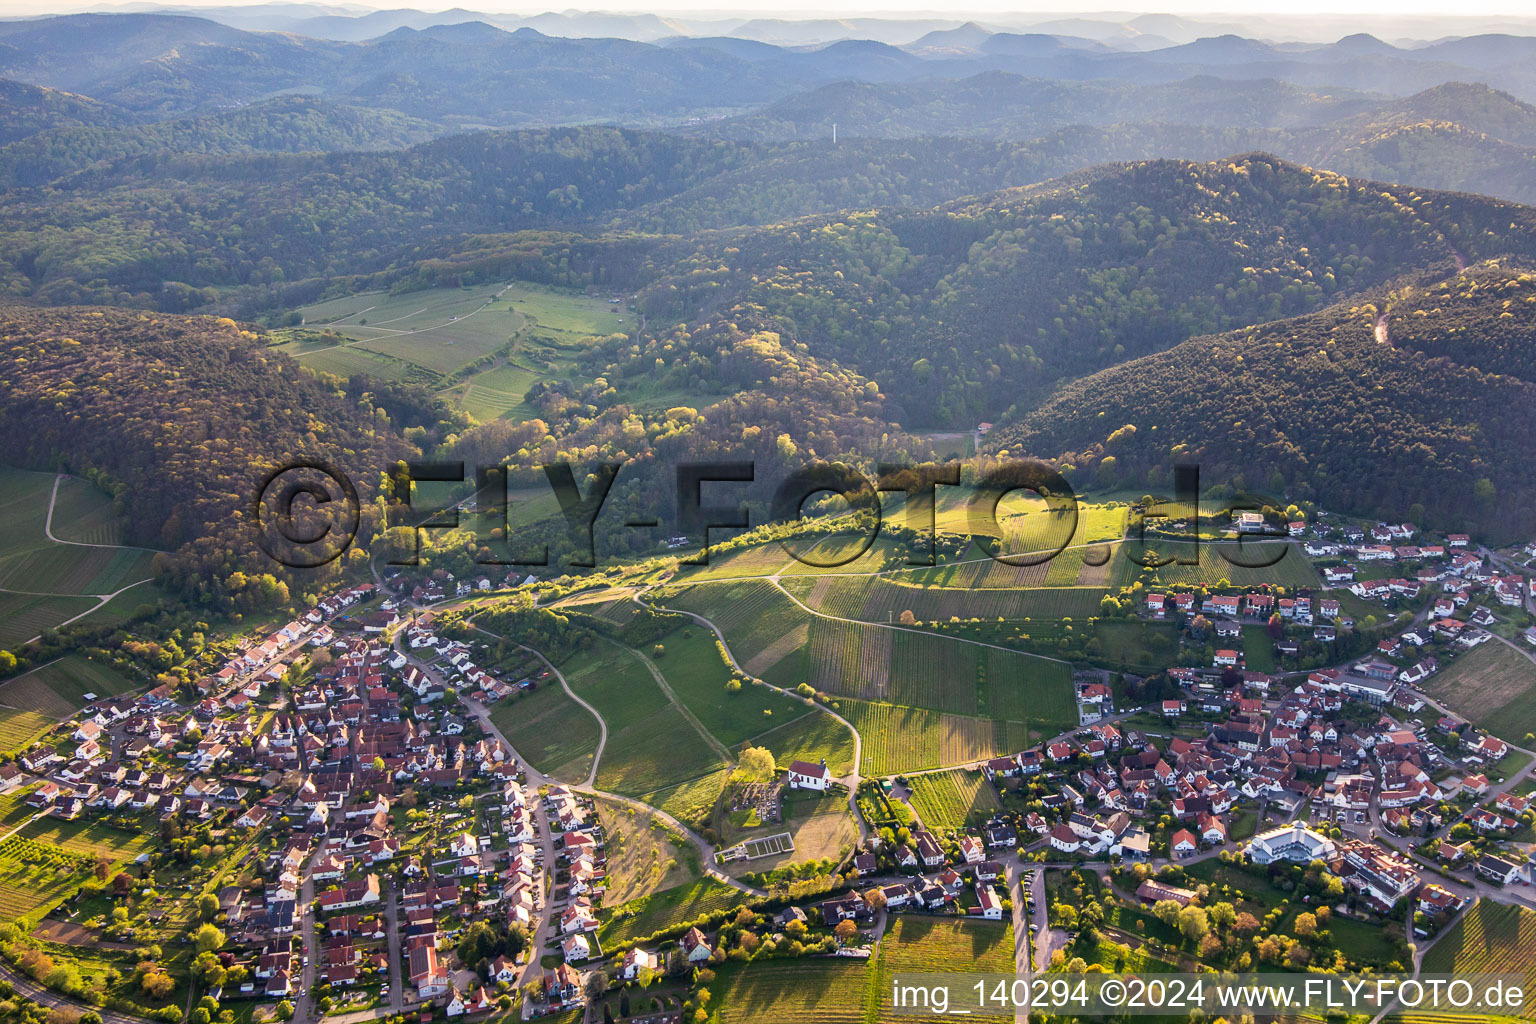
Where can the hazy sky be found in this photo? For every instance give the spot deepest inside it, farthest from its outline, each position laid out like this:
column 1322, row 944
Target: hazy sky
column 910, row 8
column 1388, row 11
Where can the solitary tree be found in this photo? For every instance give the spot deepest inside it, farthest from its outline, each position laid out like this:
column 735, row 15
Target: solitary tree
column 756, row 764
column 208, row 938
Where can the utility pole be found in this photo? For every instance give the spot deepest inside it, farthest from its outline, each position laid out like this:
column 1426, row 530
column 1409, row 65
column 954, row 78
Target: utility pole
column 834, row 133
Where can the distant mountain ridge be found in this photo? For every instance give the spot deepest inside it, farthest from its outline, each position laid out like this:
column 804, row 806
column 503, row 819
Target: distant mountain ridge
column 475, row 71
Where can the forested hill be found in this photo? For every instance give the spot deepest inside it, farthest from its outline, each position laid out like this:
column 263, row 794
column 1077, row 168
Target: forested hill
column 1432, row 416
column 28, row 109
column 179, row 416
column 290, row 124
column 955, row 312
column 961, row 311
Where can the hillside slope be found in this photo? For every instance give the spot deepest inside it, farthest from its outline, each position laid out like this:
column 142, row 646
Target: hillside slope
column 181, row 416
column 1436, row 418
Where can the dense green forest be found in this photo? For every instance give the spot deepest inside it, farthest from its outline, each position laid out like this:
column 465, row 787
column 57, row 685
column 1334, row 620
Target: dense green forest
column 287, row 125
column 179, row 418
column 1430, row 415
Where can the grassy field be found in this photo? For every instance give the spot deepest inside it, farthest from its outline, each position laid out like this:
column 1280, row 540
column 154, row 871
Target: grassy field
column 427, row 335
column 902, row 739
column 644, row 856
column 835, row 991
column 655, row 752
column 691, row 802
column 697, row 675
column 950, row 799
column 1258, row 649
column 554, row 733
column 1133, row 644
column 1491, row 937
column 439, row 328
column 810, row 738
column 639, row 918
column 1491, row 685
column 59, row 688
column 765, row 630
column 768, row 634
column 613, row 679
column 651, row 744
column 126, row 605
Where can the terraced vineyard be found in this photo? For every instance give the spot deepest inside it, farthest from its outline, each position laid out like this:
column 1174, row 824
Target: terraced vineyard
column 1492, row 686
column 930, row 671
column 1492, row 937
column 757, row 560
column 1292, row 571
column 792, row 992
column 885, row 598
column 59, row 688
column 84, row 839
column 19, row 728
column 765, row 630
column 920, row 945
column 38, row 577
column 24, row 616
column 34, row 876
column 902, row 739
column 84, row 514
column 849, row 659
column 951, row 799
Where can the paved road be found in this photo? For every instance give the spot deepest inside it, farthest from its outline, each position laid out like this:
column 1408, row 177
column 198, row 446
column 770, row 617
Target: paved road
column 397, row 966
column 304, row 1004
column 1023, row 961
column 544, row 928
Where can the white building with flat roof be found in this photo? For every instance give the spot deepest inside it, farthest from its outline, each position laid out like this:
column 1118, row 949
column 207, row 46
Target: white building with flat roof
column 1294, row 842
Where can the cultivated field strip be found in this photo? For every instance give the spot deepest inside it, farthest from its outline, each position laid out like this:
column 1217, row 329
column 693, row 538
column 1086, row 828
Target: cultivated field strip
column 897, row 738
column 885, row 598
column 764, row 628
column 850, row 659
